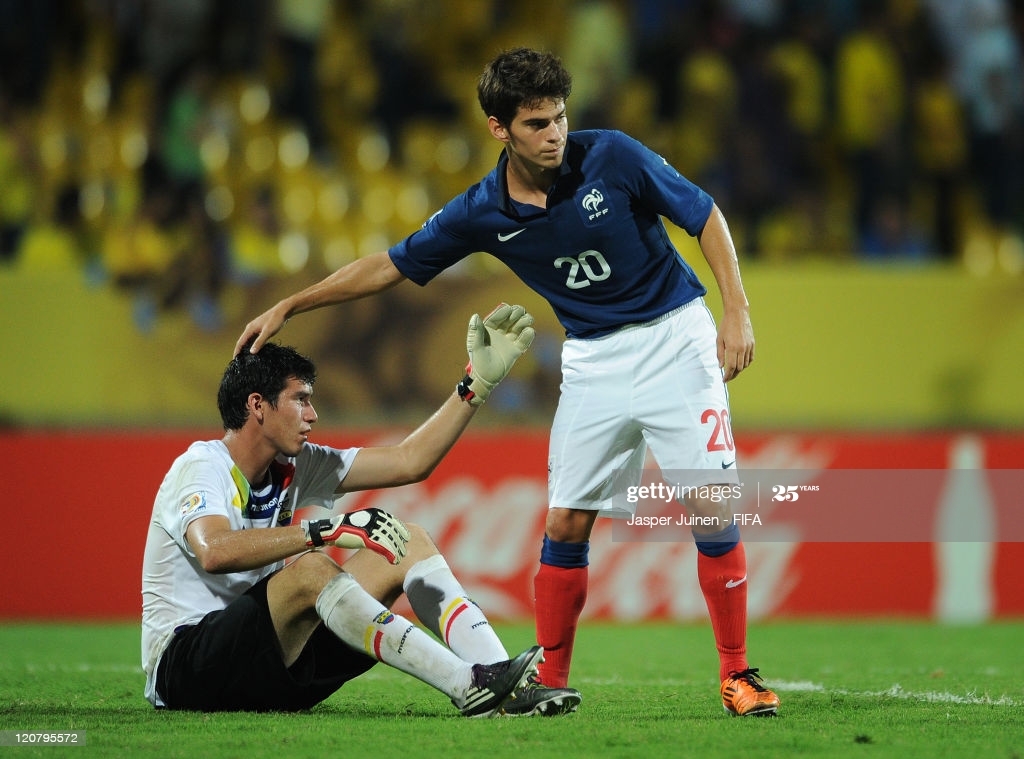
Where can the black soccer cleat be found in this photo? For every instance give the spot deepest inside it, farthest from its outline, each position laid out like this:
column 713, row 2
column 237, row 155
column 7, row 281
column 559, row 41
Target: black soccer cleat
column 494, row 683
column 536, row 699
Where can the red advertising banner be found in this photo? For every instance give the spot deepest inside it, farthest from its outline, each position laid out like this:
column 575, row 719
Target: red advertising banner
column 80, row 503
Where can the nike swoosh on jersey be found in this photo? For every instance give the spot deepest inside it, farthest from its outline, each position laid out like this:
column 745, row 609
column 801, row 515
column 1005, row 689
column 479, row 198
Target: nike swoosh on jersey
column 736, row 583
column 727, row 465
column 510, row 235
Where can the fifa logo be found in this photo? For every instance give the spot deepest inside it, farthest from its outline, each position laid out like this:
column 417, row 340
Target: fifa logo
column 592, row 202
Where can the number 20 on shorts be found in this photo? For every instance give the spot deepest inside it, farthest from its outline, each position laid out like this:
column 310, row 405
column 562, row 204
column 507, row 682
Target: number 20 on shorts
column 721, row 430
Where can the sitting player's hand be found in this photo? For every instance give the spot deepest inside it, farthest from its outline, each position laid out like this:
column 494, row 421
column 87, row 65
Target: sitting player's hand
column 494, row 343
column 367, row 528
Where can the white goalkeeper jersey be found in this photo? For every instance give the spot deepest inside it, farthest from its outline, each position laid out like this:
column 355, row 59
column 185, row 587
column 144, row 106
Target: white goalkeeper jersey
column 204, row 481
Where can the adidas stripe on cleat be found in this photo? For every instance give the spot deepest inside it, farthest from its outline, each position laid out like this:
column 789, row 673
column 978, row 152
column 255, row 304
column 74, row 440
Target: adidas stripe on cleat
column 493, row 683
column 744, row 696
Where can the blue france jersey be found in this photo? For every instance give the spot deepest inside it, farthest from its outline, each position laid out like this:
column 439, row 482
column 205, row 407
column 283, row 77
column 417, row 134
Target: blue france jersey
column 599, row 253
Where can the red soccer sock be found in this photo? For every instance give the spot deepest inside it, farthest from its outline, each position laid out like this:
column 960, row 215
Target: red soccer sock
column 723, row 579
column 559, row 597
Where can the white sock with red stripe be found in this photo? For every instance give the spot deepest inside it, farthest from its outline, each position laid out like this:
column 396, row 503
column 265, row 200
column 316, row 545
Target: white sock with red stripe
column 441, row 603
column 367, row 625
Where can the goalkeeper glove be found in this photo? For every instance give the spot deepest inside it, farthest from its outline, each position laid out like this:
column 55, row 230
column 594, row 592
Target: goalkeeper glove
column 494, row 344
column 368, row 528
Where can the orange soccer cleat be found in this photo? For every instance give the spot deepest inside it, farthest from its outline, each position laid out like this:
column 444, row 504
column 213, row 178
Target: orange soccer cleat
column 744, row 696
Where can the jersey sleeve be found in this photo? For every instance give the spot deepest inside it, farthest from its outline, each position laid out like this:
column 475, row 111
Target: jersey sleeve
column 319, row 470
column 198, row 490
column 436, row 246
column 663, row 189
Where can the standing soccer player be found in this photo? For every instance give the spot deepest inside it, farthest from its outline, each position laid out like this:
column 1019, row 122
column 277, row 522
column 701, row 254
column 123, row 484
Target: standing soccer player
column 577, row 216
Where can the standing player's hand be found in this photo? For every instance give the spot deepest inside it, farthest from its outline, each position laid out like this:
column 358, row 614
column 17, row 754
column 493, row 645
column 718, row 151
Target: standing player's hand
column 735, row 343
column 262, row 328
column 370, row 528
column 494, row 344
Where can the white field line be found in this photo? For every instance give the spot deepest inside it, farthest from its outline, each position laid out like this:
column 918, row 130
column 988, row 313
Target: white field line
column 783, row 686
column 33, row 667
column 897, row 691
column 806, row 686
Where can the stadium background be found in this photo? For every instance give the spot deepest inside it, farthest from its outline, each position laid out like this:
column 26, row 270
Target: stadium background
column 169, row 169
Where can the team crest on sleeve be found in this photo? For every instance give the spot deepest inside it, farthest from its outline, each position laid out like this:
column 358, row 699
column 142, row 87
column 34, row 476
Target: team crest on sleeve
column 195, row 502
column 593, row 203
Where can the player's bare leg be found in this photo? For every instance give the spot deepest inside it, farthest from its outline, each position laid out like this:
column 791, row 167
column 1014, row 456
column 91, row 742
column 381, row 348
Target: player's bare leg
column 382, row 579
column 291, row 597
column 314, row 589
column 722, row 573
column 292, row 593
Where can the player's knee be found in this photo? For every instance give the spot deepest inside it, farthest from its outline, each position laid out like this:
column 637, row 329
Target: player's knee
column 418, row 534
column 311, row 571
column 420, row 544
column 718, row 511
column 569, row 525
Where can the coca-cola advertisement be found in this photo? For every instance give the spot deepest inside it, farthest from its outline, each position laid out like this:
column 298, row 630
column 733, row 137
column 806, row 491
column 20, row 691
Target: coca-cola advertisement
column 918, row 525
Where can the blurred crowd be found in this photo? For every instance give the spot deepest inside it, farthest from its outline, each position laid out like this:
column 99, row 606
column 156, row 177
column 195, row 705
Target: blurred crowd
column 172, row 148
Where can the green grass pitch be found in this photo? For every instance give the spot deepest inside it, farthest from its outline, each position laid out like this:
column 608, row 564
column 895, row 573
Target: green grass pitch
column 848, row 689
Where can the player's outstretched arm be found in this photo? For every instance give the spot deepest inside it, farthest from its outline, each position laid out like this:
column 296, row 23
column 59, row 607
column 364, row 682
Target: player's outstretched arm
column 365, row 276
column 494, row 343
column 735, row 333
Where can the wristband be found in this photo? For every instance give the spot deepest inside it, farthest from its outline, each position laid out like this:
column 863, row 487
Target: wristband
column 463, row 389
column 313, row 529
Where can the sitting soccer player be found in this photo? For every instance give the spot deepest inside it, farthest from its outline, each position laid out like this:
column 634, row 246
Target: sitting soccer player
column 228, row 625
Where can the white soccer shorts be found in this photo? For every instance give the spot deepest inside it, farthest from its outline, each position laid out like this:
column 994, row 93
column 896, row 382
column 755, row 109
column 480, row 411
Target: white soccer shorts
column 657, row 385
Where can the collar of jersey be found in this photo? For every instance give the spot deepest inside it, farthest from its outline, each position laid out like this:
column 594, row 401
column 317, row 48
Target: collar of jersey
column 504, row 199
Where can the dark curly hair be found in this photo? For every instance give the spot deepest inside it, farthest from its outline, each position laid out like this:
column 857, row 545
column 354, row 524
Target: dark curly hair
column 521, row 77
column 266, row 373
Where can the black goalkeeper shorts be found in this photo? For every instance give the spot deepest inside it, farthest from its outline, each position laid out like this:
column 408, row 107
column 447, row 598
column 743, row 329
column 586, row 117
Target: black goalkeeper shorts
column 231, row 661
